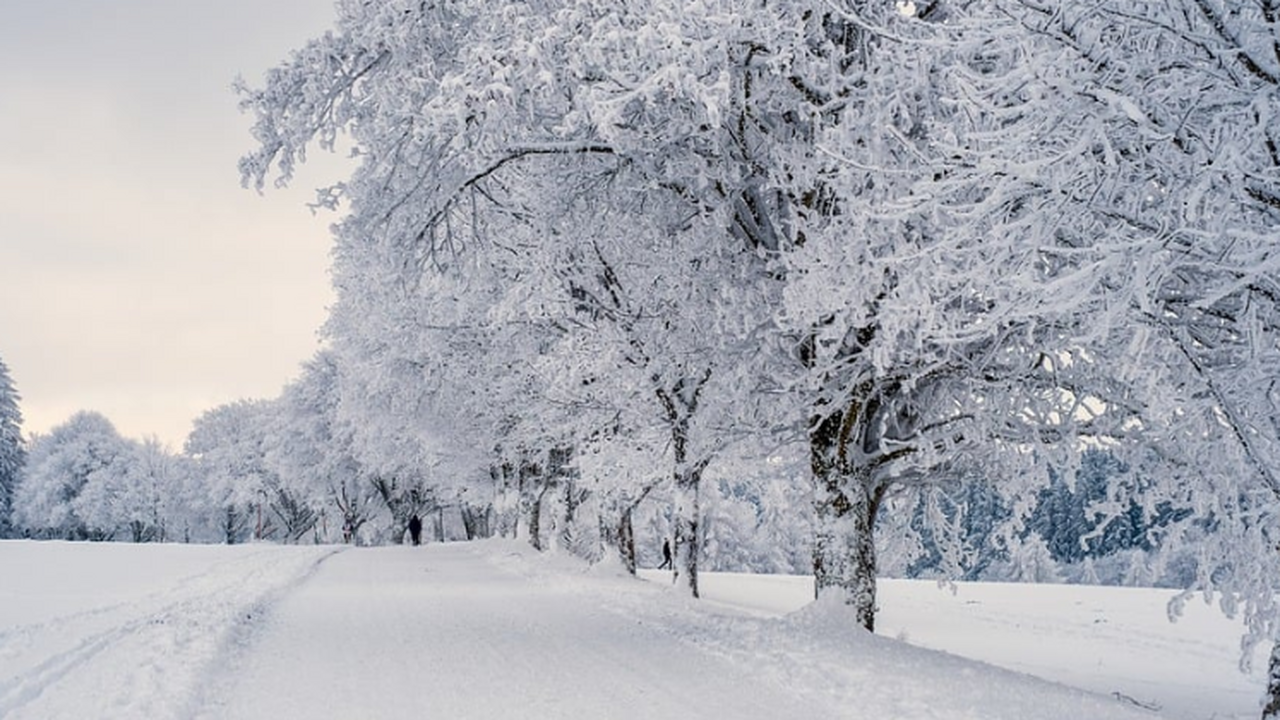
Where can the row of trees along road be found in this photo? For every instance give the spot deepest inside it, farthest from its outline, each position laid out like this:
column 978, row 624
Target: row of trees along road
column 923, row 239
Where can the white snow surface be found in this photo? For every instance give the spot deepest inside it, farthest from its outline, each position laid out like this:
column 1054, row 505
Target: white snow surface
column 478, row 630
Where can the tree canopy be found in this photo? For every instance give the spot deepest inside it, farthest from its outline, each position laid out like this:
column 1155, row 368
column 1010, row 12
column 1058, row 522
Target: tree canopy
column 919, row 238
column 865, row 278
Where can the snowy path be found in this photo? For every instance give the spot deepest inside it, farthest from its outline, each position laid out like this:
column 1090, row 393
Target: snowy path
column 439, row 632
column 493, row 630
column 490, row 629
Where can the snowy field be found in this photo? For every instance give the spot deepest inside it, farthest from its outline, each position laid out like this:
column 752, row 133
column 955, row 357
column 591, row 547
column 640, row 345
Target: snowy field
column 1108, row 640
column 487, row 629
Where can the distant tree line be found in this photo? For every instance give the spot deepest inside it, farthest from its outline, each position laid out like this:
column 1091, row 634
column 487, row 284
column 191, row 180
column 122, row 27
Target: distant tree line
column 1088, row 531
column 250, row 472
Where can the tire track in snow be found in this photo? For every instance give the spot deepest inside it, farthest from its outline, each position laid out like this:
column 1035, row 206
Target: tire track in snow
column 20, row 638
column 145, row 658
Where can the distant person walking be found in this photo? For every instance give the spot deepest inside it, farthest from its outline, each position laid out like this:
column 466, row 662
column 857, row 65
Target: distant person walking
column 415, row 529
column 666, row 555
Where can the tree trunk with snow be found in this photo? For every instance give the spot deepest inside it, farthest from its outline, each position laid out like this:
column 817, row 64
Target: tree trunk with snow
column 233, row 523
column 687, row 539
column 576, row 533
column 1271, row 711
column 844, row 555
column 475, row 521
column 622, row 535
column 625, row 539
column 680, row 402
column 355, row 512
column 535, row 518
column 846, row 501
column 561, row 472
column 389, row 492
column 507, row 497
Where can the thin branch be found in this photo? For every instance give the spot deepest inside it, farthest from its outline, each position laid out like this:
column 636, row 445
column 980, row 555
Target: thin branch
column 1242, row 55
column 515, row 154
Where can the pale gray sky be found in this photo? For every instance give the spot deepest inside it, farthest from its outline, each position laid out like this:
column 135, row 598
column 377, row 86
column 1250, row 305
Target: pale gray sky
column 136, row 277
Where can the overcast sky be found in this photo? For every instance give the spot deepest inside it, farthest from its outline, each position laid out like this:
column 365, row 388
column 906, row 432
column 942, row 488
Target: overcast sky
column 137, row 278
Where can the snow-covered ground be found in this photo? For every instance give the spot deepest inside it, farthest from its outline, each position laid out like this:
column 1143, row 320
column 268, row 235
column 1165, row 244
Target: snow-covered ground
column 493, row 629
column 1108, row 640
column 116, row 631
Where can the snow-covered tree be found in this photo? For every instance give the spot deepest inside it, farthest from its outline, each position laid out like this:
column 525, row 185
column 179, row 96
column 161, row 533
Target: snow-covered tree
column 12, row 449
column 951, row 530
column 582, row 111
column 936, row 334
column 1018, row 216
column 82, row 454
column 311, row 452
column 227, row 448
column 991, row 234
column 128, row 497
column 86, row 481
column 184, row 506
column 1174, row 111
column 657, row 330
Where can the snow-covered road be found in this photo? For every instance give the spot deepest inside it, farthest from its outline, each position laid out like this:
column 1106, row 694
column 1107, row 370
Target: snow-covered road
column 495, row 630
column 440, row 632
column 480, row 630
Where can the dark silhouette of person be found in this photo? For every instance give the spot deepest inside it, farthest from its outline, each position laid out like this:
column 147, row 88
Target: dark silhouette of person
column 415, row 529
column 666, row 555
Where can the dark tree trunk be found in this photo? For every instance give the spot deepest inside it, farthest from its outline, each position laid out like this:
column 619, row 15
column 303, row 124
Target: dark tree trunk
column 468, row 522
column 571, row 502
column 391, row 496
column 622, row 535
column 233, row 524
column 535, row 519
column 1272, row 709
column 680, row 403
column 627, row 541
column 533, row 486
column 844, row 552
column 847, row 499
column 560, row 473
column 475, row 521
column 296, row 516
column 354, row 512
column 687, row 539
